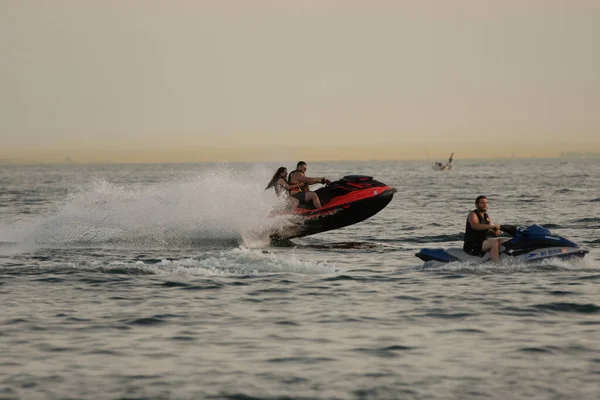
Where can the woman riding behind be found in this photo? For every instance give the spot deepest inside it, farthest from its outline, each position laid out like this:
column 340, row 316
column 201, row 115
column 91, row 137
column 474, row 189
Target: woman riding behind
column 282, row 187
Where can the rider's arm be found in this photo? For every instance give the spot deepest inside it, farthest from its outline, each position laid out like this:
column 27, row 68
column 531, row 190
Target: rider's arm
column 475, row 224
column 495, row 229
column 283, row 183
column 312, row 181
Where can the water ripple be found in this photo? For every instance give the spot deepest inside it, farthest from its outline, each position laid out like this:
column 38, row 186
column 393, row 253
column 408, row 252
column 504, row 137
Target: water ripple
column 569, row 307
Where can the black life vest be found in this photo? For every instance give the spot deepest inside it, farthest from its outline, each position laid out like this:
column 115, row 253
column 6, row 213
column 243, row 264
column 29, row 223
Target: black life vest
column 475, row 238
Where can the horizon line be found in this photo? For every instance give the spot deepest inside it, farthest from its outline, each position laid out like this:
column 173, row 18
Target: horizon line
column 570, row 155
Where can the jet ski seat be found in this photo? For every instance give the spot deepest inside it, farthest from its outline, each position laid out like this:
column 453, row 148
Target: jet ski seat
column 463, row 256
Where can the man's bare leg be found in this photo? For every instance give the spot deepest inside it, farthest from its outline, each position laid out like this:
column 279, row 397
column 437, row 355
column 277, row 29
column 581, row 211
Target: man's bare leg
column 492, row 246
column 312, row 196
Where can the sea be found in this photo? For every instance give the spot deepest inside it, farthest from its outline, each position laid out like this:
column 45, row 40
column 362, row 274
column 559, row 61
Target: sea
column 157, row 282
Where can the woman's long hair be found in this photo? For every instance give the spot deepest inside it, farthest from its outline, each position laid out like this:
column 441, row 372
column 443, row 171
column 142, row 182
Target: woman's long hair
column 275, row 177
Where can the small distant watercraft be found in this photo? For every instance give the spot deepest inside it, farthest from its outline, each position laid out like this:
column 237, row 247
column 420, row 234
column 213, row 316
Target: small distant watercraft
column 533, row 243
column 347, row 201
column 438, row 166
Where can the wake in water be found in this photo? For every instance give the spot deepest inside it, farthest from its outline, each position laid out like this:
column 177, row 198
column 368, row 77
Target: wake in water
column 509, row 266
column 239, row 261
column 220, row 205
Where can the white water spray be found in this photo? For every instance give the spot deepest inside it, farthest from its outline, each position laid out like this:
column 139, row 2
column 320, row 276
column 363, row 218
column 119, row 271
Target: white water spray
column 218, row 204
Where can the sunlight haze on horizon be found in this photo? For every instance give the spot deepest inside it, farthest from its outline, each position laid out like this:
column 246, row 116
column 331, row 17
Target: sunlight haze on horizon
column 223, row 80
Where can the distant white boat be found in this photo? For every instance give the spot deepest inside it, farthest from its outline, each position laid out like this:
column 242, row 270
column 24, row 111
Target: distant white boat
column 438, row 166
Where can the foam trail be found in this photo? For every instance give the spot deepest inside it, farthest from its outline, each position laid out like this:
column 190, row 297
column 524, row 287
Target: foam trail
column 511, row 266
column 586, row 263
column 220, row 203
column 237, row 261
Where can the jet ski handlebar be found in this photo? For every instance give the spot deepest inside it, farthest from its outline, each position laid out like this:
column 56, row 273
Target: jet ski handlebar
column 510, row 229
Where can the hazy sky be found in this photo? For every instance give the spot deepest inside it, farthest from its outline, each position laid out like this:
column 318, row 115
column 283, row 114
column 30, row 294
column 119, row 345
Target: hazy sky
column 125, row 80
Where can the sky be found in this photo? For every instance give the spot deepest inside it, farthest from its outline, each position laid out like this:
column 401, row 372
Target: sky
column 268, row 80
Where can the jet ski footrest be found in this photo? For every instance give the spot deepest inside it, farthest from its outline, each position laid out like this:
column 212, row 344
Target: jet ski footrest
column 463, row 256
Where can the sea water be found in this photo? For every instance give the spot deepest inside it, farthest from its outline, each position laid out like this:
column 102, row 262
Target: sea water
column 156, row 282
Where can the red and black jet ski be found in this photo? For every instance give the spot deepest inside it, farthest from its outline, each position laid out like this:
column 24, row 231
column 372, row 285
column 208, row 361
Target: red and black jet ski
column 347, row 201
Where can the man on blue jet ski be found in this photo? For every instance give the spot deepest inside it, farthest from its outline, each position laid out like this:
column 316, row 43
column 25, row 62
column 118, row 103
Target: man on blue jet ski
column 478, row 226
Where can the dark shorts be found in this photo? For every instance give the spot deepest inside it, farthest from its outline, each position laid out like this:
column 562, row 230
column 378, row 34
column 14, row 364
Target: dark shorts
column 474, row 248
column 300, row 196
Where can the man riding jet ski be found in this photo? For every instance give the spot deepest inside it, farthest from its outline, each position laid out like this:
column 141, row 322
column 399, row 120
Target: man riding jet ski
column 533, row 243
column 480, row 243
column 347, row 201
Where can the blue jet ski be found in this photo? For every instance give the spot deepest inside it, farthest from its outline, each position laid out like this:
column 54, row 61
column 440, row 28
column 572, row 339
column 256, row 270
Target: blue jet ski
column 533, row 243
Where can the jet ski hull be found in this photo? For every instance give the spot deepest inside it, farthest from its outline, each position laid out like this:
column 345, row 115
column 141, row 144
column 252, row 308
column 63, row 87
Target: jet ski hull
column 346, row 202
column 531, row 244
column 444, row 256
